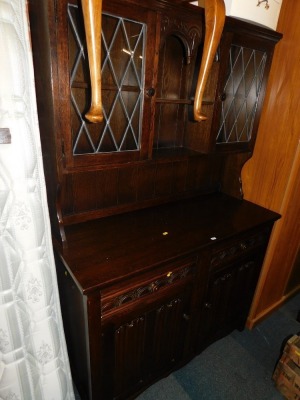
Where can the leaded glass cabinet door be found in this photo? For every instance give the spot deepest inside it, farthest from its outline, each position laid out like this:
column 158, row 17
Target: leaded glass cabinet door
column 241, row 92
column 125, row 51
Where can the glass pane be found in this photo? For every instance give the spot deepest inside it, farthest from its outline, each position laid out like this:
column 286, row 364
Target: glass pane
column 123, row 42
column 241, row 94
column 77, row 59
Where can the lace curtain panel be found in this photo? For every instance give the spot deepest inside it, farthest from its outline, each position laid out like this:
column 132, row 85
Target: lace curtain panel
column 34, row 362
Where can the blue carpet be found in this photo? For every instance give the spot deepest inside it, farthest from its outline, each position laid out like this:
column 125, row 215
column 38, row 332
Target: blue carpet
column 237, row 367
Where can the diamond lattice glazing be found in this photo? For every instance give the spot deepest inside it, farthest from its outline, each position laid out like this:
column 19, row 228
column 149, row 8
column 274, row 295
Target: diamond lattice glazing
column 241, row 94
column 122, row 85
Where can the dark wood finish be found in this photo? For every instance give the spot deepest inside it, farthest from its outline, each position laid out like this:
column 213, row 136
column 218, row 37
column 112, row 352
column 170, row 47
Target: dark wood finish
column 173, row 55
column 234, row 37
column 153, row 339
column 185, row 270
column 114, row 245
column 236, row 33
column 231, row 286
column 157, row 254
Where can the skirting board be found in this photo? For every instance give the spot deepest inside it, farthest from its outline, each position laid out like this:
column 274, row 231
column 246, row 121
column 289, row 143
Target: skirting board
column 252, row 322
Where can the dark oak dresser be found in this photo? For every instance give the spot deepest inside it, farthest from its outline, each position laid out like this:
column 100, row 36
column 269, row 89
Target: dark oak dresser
column 157, row 253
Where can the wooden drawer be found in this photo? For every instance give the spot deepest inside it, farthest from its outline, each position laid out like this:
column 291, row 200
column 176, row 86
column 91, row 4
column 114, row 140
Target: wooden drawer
column 239, row 247
column 154, row 283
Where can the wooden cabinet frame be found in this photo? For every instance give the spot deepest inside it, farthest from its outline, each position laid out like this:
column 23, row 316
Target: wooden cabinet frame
column 146, row 241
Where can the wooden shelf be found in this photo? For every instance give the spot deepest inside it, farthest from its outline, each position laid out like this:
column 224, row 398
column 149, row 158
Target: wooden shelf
column 188, row 102
column 85, row 85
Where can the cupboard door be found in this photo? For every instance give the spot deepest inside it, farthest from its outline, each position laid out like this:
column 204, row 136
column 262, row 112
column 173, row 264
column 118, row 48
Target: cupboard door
column 245, row 65
column 123, row 355
column 240, row 94
column 127, row 51
column 228, row 300
column 170, row 322
column 138, row 348
column 130, row 348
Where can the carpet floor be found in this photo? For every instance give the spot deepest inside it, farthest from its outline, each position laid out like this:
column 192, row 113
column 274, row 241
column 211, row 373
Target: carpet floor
column 237, row 367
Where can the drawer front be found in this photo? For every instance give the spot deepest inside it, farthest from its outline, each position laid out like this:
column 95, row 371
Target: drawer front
column 149, row 285
column 238, row 247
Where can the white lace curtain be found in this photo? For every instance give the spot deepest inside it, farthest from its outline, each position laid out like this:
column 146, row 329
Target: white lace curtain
column 34, row 363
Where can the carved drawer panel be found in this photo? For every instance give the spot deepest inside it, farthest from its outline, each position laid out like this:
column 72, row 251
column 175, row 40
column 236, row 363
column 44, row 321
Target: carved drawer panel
column 238, row 248
column 151, row 284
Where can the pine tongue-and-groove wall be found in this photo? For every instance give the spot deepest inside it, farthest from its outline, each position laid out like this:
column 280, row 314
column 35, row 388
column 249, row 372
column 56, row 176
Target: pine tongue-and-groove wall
column 271, row 177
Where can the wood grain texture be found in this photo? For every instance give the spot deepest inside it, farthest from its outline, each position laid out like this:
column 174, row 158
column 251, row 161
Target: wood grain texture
column 214, row 23
column 121, row 245
column 92, row 10
column 271, row 177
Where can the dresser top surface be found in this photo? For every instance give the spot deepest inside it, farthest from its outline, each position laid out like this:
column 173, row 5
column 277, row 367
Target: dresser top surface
column 103, row 251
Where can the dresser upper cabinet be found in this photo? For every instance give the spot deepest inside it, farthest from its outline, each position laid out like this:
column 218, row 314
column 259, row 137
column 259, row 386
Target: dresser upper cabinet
column 148, row 149
column 150, row 59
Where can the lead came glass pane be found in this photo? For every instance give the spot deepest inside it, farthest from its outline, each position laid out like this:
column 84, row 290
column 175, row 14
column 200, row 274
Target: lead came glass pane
column 241, row 94
column 122, row 72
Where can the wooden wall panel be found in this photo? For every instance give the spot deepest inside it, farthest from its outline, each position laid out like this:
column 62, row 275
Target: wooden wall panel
column 271, row 176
